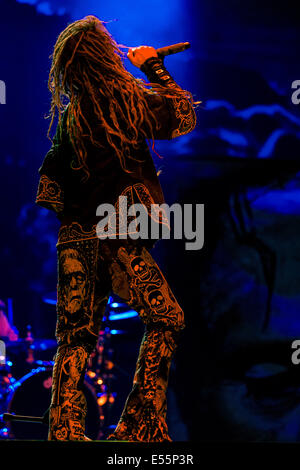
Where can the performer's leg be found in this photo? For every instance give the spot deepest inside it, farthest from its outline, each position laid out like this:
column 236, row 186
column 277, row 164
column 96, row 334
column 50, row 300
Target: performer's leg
column 83, row 291
column 139, row 281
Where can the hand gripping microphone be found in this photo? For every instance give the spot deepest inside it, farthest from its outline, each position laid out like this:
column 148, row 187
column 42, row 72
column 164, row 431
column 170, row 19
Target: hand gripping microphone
column 173, row 49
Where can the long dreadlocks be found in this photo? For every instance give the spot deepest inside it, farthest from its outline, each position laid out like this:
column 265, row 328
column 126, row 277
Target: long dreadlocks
column 87, row 61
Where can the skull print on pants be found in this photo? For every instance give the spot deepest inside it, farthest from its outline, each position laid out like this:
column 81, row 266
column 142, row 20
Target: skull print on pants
column 88, row 271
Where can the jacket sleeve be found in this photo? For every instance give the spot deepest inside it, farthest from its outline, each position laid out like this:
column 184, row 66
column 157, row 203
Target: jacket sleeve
column 50, row 193
column 174, row 115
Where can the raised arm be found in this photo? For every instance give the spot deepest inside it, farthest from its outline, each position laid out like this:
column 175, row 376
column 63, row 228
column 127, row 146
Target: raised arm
column 174, row 114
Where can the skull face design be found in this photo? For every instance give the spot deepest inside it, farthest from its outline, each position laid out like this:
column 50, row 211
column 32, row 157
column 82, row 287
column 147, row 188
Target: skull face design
column 75, row 281
column 157, row 301
column 140, row 268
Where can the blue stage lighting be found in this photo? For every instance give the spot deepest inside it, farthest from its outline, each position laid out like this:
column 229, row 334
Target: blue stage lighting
column 124, row 315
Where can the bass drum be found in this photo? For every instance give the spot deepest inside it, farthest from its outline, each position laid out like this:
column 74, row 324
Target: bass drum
column 31, row 397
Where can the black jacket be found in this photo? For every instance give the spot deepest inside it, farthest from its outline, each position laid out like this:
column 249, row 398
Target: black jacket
column 75, row 201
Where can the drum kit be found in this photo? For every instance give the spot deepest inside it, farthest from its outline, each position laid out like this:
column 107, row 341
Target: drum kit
column 26, row 380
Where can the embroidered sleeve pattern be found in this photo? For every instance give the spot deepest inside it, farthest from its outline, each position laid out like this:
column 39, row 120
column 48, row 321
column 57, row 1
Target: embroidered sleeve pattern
column 50, row 194
column 184, row 114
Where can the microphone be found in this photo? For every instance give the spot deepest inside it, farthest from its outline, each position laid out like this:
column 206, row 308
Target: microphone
column 173, row 49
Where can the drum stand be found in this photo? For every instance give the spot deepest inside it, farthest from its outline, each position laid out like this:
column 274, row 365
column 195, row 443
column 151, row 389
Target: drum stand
column 31, row 419
column 99, row 377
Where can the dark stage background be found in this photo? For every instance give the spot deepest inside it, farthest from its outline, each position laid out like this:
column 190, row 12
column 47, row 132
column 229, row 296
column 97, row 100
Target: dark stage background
column 232, row 378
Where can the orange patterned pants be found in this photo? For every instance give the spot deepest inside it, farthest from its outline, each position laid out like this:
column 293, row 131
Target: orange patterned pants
column 88, row 271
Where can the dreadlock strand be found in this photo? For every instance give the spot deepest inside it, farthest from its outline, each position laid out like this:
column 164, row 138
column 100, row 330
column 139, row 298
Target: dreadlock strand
column 86, row 60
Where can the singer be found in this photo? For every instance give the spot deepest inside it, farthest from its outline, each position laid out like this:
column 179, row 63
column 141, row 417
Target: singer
column 98, row 153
